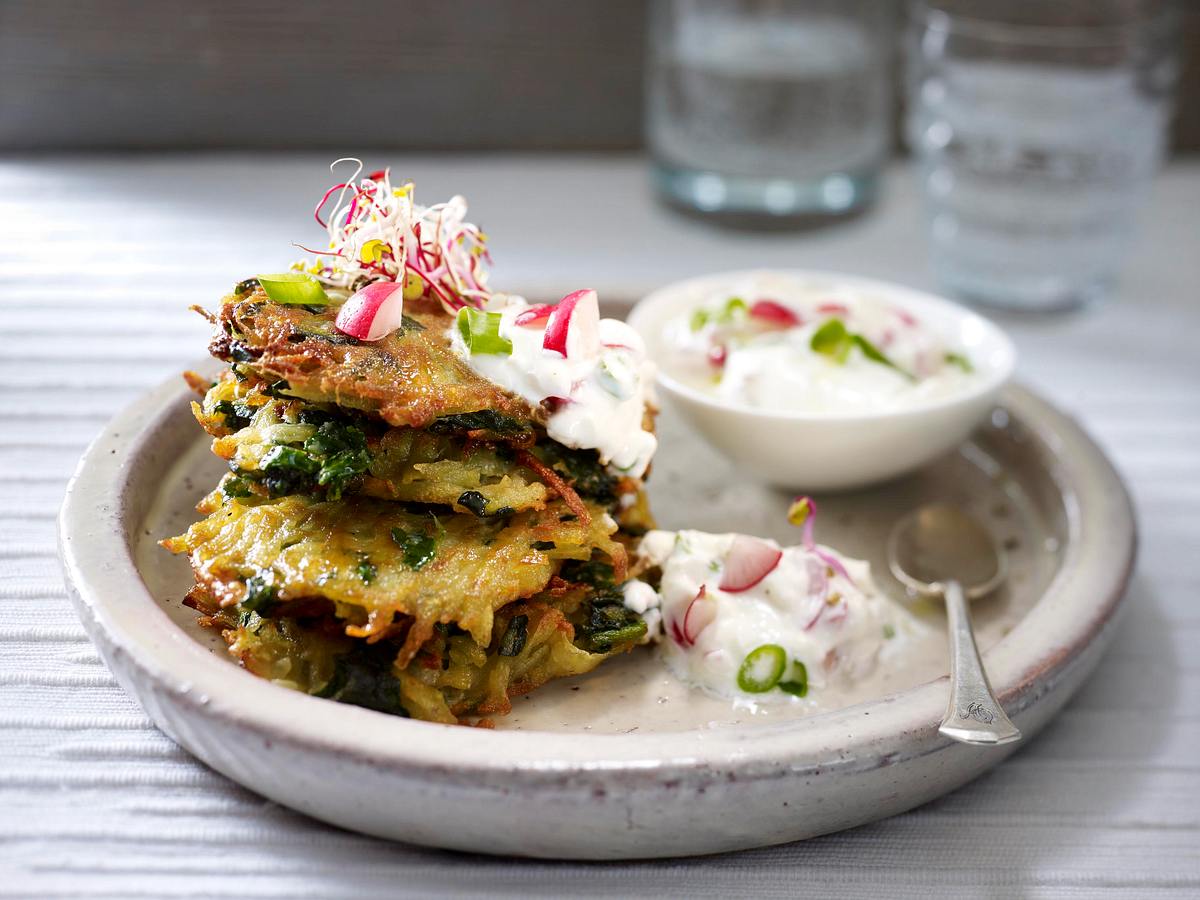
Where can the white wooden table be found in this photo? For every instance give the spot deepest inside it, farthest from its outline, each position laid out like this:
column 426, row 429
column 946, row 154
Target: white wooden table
column 99, row 259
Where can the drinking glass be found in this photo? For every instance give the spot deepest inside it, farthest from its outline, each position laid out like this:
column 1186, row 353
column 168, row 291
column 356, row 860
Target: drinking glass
column 769, row 109
column 1037, row 127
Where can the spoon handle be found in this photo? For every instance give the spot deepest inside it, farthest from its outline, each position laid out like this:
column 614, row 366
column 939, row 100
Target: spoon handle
column 973, row 716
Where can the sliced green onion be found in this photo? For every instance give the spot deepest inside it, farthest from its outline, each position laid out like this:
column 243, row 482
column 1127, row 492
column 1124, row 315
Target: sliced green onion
column 957, row 359
column 294, row 289
column 873, row 353
column 699, row 319
column 481, row 331
column 833, row 340
column 732, row 307
column 798, row 686
column 762, row 668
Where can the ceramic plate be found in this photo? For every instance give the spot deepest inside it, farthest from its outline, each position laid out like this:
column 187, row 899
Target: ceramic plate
column 622, row 763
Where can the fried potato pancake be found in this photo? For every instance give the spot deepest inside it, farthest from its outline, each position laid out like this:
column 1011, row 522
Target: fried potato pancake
column 451, row 677
column 411, row 377
column 376, row 560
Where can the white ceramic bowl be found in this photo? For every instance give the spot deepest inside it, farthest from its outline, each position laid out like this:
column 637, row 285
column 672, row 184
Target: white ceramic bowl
column 833, row 451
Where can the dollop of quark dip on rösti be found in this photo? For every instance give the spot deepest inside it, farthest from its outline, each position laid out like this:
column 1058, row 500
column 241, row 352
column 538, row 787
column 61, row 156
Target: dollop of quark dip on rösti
column 591, row 373
column 813, row 620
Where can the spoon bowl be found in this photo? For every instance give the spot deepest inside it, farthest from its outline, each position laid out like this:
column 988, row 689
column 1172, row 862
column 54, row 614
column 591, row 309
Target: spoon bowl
column 939, row 543
column 938, row 550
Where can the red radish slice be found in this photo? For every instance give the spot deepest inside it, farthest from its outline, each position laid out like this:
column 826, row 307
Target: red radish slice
column 677, row 635
column 700, row 614
column 574, row 326
column 533, row 315
column 833, row 308
column 717, row 354
column 906, row 317
column 373, row 312
column 748, row 562
column 774, row 312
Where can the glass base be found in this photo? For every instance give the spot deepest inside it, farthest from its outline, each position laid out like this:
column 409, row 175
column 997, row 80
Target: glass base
column 1048, row 294
column 742, row 199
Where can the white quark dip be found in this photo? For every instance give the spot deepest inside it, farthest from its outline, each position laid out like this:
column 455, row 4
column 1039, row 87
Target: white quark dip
column 598, row 391
column 817, row 613
column 755, row 346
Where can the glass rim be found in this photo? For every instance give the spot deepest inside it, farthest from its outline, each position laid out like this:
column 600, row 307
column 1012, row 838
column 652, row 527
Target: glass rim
column 1069, row 35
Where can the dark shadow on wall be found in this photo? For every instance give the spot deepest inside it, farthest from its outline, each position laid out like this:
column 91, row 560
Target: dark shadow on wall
column 320, row 74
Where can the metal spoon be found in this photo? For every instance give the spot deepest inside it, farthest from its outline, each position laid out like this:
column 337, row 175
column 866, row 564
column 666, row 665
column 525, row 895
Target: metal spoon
column 939, row 550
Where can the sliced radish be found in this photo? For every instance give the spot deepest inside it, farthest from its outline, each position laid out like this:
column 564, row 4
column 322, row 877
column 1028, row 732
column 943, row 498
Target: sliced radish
column 677, row 635
column 748, row 562
column 700, row 614
column 574, row 326
column 717, row 354
column 533, row 315
column 774, row 312
column 906, row 317
column 833, row 308
column 373, row 312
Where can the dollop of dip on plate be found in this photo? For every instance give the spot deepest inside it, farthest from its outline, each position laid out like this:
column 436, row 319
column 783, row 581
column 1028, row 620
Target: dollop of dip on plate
column 745, row 618
column 788, row 346
column 591, row 373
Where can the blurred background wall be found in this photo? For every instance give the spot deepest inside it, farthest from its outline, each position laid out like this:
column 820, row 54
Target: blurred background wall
column 347, row 76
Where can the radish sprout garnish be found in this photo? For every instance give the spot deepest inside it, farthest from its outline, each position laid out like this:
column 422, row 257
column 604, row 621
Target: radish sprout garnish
column 377, row 232
column 803, row 513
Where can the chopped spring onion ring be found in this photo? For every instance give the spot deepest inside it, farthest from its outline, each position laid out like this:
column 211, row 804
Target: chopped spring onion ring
column 294, row 289
column 762, row 668
column 481, row 331
column 798, row 686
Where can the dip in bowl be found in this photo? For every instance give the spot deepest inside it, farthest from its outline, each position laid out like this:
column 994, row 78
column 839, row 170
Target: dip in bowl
column 822, row 381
